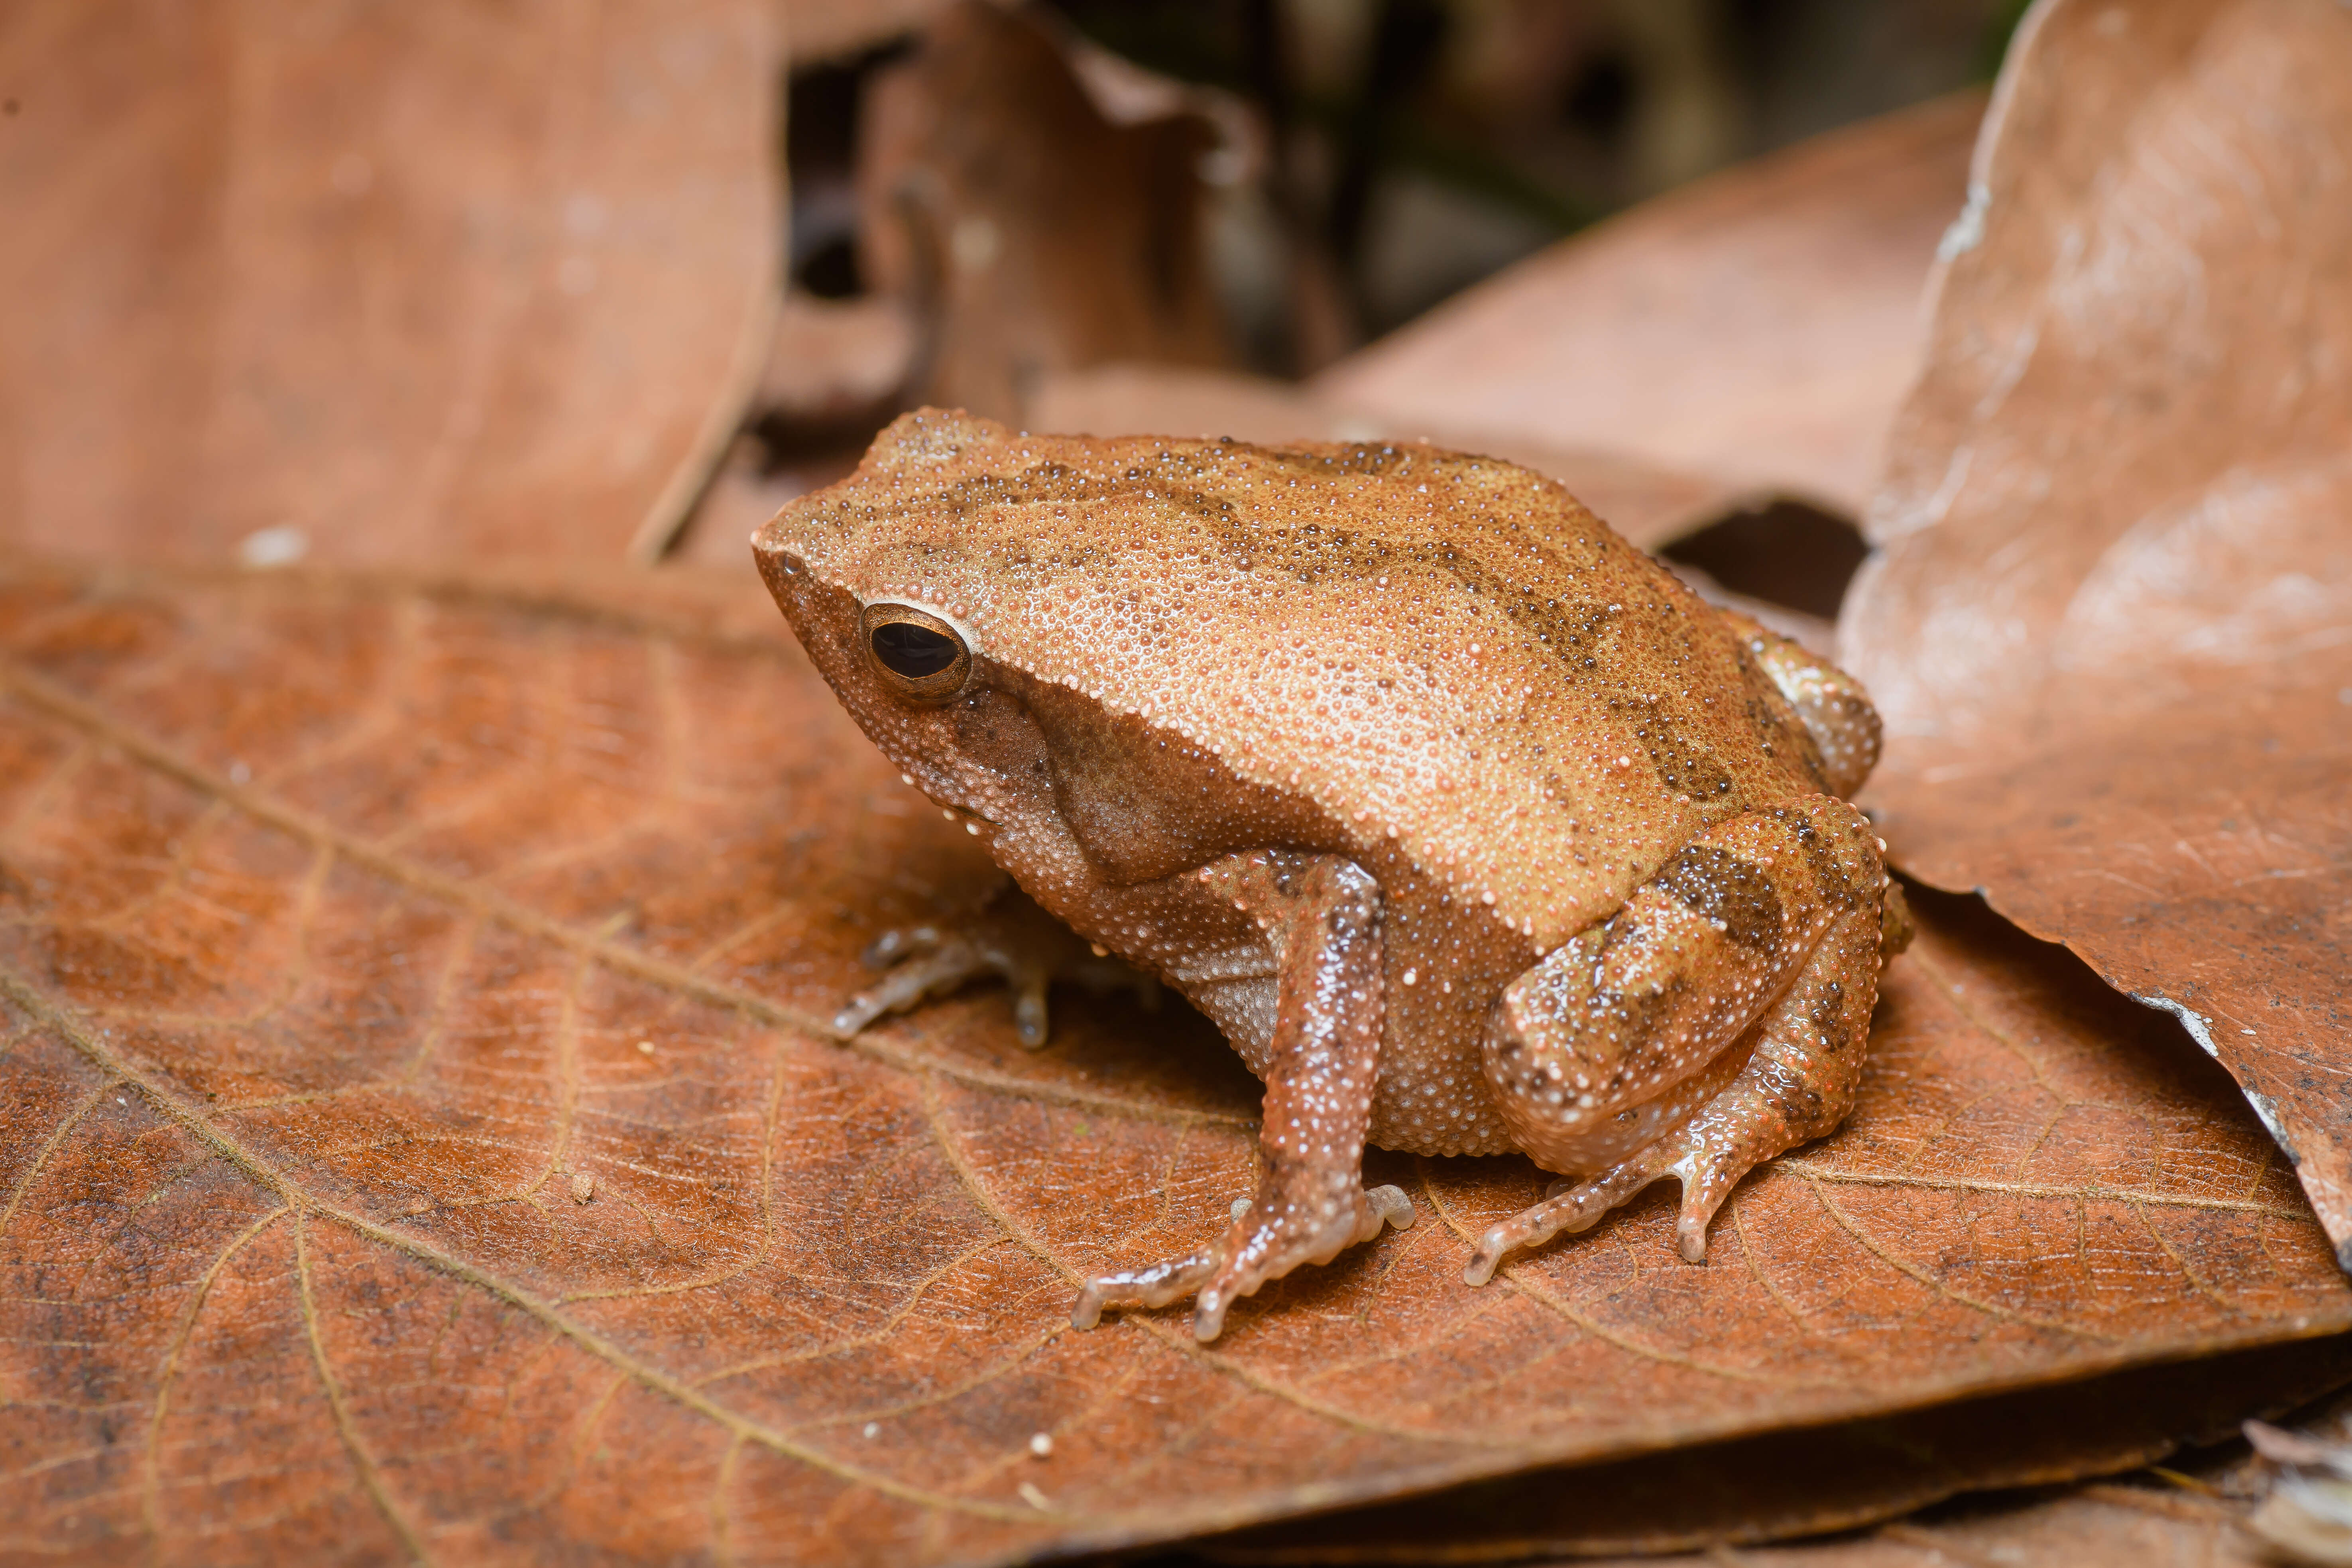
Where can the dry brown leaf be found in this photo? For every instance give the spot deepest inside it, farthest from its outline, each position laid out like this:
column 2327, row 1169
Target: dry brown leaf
column 344, row 927
column 396, row 282
column 1810, row 1483
column 1758, row 328
column 2110, row 626
column 1029, row 231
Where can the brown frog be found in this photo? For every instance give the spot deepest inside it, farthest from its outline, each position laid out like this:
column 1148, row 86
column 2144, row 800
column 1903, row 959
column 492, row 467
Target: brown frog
column 1471, row 827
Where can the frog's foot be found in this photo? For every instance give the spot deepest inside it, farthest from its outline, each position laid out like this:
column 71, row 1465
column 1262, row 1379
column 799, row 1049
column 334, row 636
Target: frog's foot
column 1718, row 1019
column 1835, row 710
column 1286, row 1224
column 1010, row 938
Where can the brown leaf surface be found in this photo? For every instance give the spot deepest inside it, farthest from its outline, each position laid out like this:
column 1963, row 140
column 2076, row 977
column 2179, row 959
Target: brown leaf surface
column 1029, row 231
column 1758, row 327
column 418, row 1134
column 417, row 281
column 2110, row 623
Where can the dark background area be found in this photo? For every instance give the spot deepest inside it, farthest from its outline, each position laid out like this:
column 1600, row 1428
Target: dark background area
column 1416, row 146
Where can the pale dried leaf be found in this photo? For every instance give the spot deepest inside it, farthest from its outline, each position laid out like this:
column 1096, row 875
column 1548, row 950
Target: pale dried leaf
column 1758, row 328
column 2110, row 623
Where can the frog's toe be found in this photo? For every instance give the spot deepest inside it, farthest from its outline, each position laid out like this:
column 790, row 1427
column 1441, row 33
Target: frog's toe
column 1572, row 1207
column 939, row 965
column 1157, row 1286
column 1395, row 1208
column 900, row 944
column 1010, row 940
column 1029, row 1007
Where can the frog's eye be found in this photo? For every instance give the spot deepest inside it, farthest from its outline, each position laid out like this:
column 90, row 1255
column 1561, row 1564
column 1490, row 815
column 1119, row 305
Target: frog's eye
column 916, row 653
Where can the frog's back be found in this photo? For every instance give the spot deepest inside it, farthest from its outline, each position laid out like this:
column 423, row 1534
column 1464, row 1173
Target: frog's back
column 1447, row 652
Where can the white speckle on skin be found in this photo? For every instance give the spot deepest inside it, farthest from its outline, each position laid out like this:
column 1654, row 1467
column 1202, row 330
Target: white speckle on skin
column 1041, row 1445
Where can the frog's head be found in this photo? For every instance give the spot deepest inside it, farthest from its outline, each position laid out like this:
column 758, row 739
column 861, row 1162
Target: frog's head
column 882, row 599
column 1290, row 611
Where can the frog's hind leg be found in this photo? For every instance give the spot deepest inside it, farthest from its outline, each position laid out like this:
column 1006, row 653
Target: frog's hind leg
column 1322, row 915
column 1719, row 1018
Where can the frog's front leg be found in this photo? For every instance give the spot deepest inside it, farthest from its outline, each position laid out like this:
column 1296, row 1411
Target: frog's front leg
column 1321, row 914
column 1717, row 1019
column 1008, row 937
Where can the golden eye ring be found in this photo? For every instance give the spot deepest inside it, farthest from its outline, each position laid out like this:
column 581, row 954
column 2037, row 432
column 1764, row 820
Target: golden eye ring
column 915, row 653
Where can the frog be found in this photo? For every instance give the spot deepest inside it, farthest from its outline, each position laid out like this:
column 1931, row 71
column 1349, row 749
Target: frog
column 1471, row 827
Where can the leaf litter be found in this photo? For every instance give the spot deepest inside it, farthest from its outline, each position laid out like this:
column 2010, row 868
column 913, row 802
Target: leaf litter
column 335, row 914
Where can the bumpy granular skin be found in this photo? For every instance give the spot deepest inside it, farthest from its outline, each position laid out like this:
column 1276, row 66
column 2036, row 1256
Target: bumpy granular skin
column 1596, row 818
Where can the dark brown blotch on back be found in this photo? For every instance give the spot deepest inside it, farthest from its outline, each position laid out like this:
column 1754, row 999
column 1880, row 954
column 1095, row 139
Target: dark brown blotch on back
column 1718, row 886
column 1684, row 767
column 1831, row 879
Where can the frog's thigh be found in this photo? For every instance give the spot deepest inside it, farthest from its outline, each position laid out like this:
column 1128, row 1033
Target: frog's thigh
column 1715, row 1020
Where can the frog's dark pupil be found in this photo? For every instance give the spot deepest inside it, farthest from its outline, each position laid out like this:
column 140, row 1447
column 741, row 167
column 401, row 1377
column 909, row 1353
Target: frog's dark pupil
column 913, row 651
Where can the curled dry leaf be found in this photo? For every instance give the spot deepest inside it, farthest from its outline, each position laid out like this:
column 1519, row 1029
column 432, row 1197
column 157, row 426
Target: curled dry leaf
column 1758, row 327
column 2141, row 1522
column 426, row 281
column 1788, row 1484
column 2204, row 1511
column 318, row 972
column 1028, row 230
column 2110, row 621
